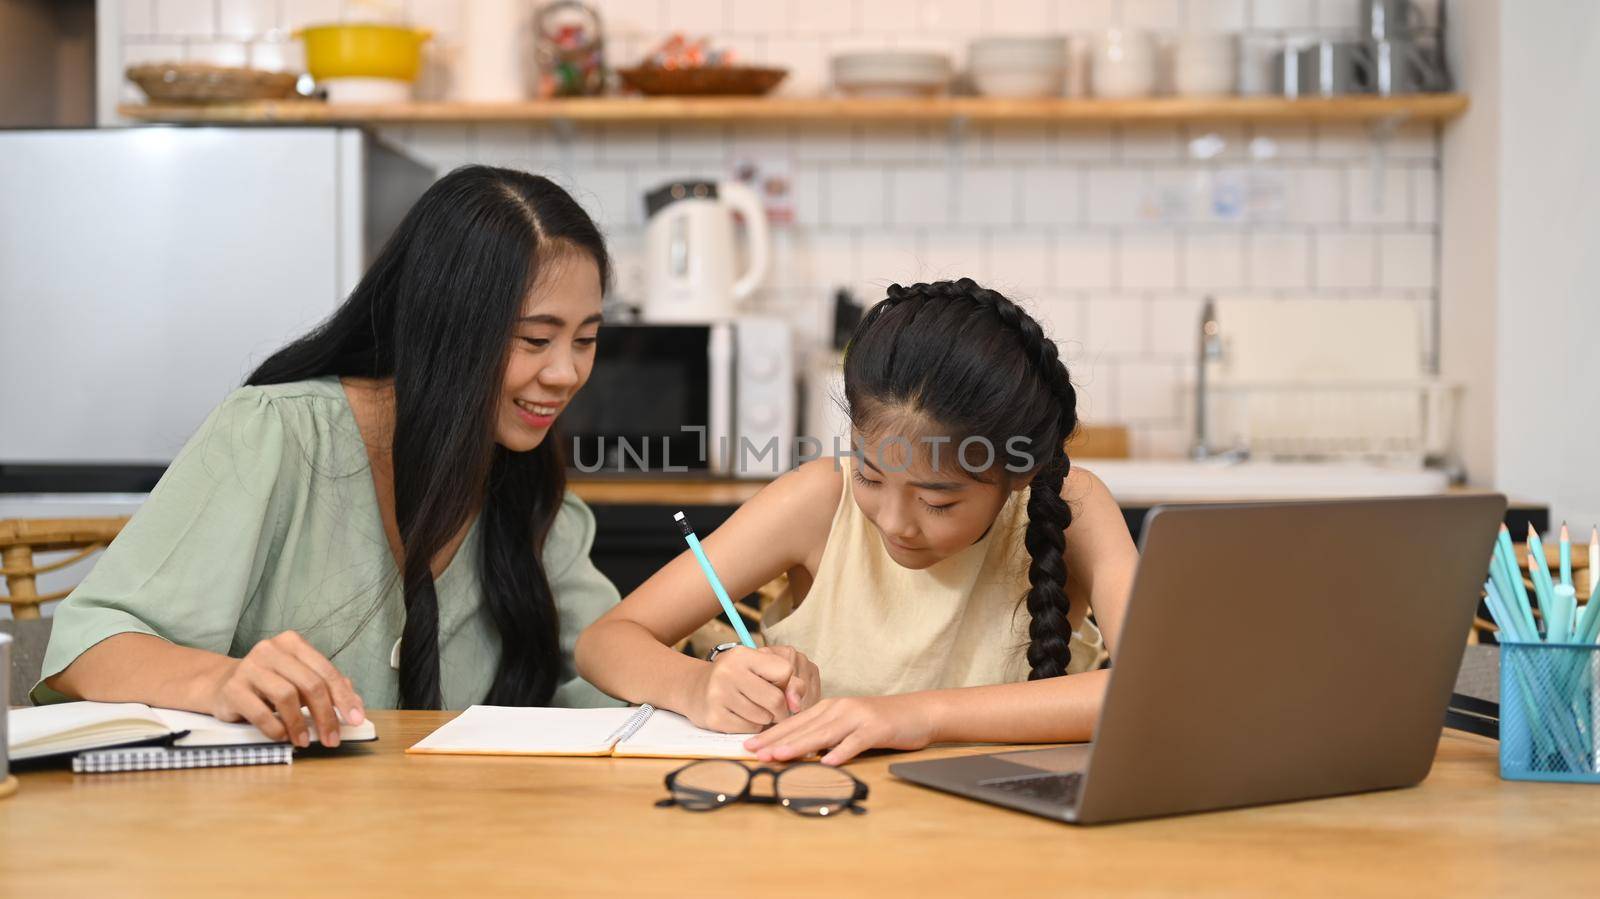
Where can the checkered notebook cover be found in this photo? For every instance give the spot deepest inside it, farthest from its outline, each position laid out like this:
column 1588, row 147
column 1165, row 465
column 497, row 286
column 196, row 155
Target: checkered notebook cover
column 160, row 758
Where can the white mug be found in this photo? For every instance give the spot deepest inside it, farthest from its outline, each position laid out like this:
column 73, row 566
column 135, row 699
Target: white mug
column 1122, row 64
column 1205, row 64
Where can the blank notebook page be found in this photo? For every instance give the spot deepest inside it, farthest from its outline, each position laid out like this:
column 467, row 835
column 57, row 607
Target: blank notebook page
column 504, row 730
column 669, row 735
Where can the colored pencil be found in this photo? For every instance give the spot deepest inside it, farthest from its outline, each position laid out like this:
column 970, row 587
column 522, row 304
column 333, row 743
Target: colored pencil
column 1513, row 573
column 1566, row 556
column 1594, row 560
column 734, row 617
column 1539, row 573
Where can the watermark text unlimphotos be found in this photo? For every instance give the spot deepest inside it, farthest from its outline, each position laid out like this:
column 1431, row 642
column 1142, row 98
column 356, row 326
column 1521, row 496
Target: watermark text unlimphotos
column 892, row 453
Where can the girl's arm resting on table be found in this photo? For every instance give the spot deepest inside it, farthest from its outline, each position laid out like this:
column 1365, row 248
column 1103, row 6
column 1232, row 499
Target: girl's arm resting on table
column 628, row 652
column 267, row 687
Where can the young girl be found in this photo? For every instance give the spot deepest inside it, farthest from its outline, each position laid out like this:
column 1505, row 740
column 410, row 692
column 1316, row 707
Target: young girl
column 948, row 568
column 379, row 518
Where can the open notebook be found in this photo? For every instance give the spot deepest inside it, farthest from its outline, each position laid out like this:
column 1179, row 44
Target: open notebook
column 642, row 732
column 75, row 726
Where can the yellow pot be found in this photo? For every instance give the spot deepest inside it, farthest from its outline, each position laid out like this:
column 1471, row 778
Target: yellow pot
column 363, row 51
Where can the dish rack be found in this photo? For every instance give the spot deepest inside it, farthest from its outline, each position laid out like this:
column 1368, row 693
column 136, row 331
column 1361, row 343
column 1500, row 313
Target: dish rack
column 1403, row 424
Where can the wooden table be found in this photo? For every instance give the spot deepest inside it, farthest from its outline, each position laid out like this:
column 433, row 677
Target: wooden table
column 374, row 820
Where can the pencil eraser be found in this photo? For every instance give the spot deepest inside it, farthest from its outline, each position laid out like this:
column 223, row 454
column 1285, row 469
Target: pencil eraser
column 678, row 517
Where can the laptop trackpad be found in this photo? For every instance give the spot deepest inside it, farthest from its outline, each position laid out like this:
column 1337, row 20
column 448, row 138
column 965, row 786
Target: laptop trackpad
column 1062, row 760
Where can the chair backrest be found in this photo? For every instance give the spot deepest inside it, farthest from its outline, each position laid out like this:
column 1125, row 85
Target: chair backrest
column 29, row 639
column 22, row 538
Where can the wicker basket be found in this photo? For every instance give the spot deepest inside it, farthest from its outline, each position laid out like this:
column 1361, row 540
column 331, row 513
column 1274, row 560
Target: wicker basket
column 186, row 82
column 737, row 81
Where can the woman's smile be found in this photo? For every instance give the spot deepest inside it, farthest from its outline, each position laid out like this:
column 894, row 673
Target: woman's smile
column 537, row 415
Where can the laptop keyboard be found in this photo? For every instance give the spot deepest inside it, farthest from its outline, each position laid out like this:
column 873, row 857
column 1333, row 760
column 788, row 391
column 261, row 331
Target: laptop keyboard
column 1057, row 788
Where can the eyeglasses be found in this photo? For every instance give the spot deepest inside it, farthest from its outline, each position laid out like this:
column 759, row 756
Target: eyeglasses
column 809, row 788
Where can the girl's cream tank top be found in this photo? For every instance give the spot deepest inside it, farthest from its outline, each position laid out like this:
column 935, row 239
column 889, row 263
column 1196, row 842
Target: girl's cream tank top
column 876, row 628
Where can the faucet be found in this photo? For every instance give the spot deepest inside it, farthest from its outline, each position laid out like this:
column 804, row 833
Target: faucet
column 1210, row 350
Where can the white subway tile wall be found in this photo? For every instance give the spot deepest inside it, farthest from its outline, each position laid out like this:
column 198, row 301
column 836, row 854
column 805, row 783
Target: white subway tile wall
column 1112, row 235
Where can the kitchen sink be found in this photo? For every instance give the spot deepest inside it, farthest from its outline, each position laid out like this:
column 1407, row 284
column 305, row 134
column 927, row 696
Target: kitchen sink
column 1168, row 481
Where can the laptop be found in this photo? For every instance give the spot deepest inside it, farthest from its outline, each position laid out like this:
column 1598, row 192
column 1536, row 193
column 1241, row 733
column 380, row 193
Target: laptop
column 1270, row 652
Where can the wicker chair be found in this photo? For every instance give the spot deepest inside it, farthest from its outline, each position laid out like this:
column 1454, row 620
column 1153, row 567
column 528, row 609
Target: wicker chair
column 762, row 607
column 21, row 539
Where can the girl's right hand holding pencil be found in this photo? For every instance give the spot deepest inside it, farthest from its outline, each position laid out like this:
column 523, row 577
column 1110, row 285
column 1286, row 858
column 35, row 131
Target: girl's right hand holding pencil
column 744, row 690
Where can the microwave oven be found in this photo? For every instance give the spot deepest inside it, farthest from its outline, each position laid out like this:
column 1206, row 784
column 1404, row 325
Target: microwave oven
column 718, row 398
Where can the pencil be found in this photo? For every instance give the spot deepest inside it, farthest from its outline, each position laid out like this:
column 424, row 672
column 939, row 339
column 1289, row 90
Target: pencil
column 1588, row 626
column 1566, row 556
column 1510, row 626
column 1513, row 573
column 1594, row 560
column 734, row 617
column 1539, row 573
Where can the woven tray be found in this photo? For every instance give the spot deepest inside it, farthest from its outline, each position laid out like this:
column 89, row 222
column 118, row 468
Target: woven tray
column 742, row 81
column 186, row 82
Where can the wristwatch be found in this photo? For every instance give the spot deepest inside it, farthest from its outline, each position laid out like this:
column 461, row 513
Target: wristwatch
column 719, row 649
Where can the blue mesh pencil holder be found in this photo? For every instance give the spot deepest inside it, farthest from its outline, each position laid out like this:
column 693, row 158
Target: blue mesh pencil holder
column 1550, row 712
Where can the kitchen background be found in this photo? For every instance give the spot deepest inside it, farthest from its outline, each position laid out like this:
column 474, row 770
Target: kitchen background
column 1112, row 234
column 1473, row 227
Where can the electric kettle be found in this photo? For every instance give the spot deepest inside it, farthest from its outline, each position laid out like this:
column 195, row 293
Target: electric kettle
column 691, row 250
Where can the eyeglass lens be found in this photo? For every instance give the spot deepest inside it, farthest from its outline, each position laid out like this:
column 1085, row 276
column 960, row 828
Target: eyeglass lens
column 706, row 785
column 812, row 789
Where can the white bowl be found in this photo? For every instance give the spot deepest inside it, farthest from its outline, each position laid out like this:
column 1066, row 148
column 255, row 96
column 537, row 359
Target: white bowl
column 1019, row 82
column 887, row 73
column 1048, row 52
column 366, row 90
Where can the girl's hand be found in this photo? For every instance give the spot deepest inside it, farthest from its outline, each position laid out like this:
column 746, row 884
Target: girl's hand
column 846, row 727
column 274, row 680
column 805, row 686
column 741, row 691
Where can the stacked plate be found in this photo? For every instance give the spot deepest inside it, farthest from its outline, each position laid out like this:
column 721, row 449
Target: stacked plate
column 1018, row 66
column 891, row 73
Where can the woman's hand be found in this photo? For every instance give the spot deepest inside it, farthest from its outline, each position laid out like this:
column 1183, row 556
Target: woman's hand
column 745, row 689
column 846, row 727
column 274, row 680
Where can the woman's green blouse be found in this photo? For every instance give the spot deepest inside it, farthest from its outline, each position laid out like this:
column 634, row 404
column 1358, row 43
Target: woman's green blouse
column 268, row 521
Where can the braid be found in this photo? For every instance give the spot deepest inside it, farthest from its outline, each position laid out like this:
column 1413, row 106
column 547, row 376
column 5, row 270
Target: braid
column 1050, row 628
column 1050, row 631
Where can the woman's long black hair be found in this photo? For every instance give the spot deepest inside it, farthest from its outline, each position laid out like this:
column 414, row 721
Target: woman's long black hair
column 436, row 312
column 969, row 360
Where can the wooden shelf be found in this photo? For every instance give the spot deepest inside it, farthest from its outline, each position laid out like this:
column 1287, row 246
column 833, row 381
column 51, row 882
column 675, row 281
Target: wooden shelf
column 656, row 110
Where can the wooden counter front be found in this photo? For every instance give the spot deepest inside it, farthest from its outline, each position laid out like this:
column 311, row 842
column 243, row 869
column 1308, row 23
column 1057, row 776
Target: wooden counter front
column 376, row 821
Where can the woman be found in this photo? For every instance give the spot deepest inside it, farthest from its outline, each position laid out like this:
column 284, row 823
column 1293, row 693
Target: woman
column 380, row 517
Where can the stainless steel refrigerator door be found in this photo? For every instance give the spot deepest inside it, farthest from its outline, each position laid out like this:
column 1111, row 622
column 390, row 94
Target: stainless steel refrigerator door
column 144, row 272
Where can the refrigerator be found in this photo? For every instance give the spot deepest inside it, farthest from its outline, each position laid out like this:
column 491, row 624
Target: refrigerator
column 144, row 272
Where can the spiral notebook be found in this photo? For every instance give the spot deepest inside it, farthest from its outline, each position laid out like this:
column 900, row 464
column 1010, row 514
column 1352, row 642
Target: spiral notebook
column 162, row 758
column 645, row 732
